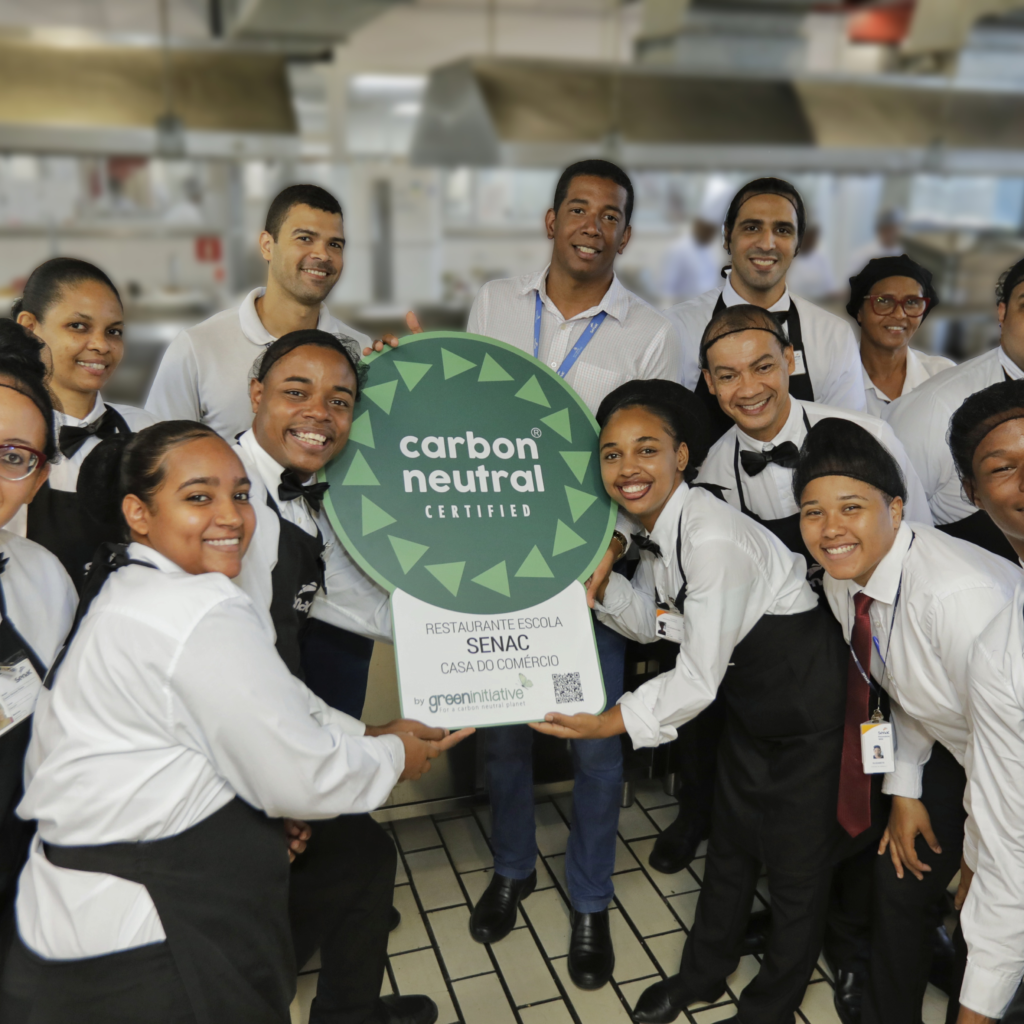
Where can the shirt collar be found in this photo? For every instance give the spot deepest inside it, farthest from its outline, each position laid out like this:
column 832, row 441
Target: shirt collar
column 1015, row 372
column 664, row 532
column 269, row 469
column 792, row 430
column 62, row 419
column 614, row 302
column 144, row 553
column 731, row 297
column 252, row 325
column 917, row 374
column 885, row 580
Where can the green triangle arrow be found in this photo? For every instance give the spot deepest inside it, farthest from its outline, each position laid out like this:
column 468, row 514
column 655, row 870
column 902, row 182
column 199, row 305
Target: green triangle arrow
column 453, row 364
column 495, row 578
column 412, row 373
column 531, row 391
column 382, row 395
column 559, row 423
column 577, row 462
column 565, row 539
column 374, row 517
column 359, row 474
column 448, row 574
column 407, row 552
column 535, row 567
column 491, row 371
column 579, row 501
column 362, row 432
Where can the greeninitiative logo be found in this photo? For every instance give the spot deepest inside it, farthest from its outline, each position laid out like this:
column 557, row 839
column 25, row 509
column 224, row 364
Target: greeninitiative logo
column 471, row 479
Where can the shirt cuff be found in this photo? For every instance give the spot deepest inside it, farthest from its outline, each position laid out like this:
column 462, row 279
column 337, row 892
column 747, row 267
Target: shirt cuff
column 617, row 595
column 395, row 750
column 904, row 780
column 986, row 991
column 643, row 727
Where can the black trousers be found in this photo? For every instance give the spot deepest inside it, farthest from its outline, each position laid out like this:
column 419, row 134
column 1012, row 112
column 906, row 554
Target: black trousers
column 121, row 988
column 903, row 909
column 340, row 894
column 697, row 759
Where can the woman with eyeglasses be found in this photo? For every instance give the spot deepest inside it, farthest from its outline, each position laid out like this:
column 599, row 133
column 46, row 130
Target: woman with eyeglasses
column 890, row 298
column 75, row 310
column 37, row 600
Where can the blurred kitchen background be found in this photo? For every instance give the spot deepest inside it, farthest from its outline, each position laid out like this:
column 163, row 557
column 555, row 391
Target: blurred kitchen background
column 148, row 136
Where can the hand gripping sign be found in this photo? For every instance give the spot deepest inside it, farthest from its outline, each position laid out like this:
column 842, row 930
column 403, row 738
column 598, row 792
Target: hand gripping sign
column 471, row 490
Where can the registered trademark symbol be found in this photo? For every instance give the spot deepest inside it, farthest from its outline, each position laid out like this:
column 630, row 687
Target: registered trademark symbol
column 535, row 431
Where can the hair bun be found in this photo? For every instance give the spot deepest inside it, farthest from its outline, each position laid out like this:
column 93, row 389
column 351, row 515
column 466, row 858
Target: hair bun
column 19, row 347
column 99, row 479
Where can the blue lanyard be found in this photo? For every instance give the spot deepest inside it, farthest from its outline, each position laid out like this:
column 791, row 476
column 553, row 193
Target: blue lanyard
column 582, row 342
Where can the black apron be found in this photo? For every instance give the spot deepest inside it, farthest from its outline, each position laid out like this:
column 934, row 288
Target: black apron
column 57, row 520
column 787, row 529
column 15, row 834
column 221, row 890
column 979, row 529
column 800, row 385
column 296, row 578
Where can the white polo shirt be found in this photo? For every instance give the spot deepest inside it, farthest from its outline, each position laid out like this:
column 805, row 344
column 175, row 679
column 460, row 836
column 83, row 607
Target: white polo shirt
column 920, row 367
column 204, row 374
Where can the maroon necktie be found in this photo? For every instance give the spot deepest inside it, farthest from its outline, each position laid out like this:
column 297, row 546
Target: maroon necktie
column 854, row 811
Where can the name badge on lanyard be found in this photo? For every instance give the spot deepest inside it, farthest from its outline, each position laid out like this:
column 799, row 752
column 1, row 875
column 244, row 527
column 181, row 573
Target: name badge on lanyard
column 581, row 343
column 19, row 689
column 668, row 625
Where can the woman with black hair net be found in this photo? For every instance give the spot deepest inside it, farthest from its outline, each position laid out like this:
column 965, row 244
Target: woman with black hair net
column 911, row 601
column 890, row 298
column 747, row 623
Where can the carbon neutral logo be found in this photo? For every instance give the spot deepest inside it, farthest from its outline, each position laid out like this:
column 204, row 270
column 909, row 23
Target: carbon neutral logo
column 471, row 480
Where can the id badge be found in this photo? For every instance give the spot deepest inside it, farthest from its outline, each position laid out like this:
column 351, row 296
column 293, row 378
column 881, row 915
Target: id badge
column 669, row 625
column 876, row 747
column 19, row 689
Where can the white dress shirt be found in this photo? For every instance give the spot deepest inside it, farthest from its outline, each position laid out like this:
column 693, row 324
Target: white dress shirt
column 204, row 374
column 40, row 596
column 64, row 470
column 921, row 422
column 830, row 351
column 920, row 367
column 736, row 571
column 170, row 702
column 992, row 919
column 769, row 495
column 352, row 600
column 634, row 342
column 949, row 591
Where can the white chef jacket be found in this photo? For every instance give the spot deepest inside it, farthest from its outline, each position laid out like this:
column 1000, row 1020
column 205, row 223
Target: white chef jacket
column 736, row 571
column 830, row 351
column 770, row 493
column 170, row 702
column 352, row 600
column 921, row 422
column 634, row 342
column 920, row 367
column 951, row 590
column 204, row 374
column 992, row 919
column 691, row 269
column 64, row 470
column 40, row 596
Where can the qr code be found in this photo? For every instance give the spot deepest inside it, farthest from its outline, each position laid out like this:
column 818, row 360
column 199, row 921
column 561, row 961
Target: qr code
column 567, row 687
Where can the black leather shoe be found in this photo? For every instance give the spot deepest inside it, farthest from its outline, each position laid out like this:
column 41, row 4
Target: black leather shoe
column 495, row 915
column 755, row 938
column 677, row 845
column 405, row 1010
column 943, row 966
column 394, row 918
column 591, row 957
column 665, row 1000
column 849, row 995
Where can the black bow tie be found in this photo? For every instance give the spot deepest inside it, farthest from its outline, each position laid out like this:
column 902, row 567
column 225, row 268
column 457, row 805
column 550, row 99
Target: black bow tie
column 292, row 487
column 72, row 438
column 646, row 544
column 786, row 455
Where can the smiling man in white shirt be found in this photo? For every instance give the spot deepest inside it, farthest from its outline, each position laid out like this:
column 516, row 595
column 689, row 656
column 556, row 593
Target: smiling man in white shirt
column 764, row 229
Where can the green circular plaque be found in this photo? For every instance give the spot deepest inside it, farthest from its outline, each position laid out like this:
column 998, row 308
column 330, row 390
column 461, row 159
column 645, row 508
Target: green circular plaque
column 471, row 479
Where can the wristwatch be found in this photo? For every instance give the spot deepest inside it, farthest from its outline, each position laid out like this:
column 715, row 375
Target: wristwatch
column 621, row 538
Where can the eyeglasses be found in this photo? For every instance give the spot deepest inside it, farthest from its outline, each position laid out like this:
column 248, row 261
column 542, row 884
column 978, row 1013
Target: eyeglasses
column 18, row 461
column 912, row 305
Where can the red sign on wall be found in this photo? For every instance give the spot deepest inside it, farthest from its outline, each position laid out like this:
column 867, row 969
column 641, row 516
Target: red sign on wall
column 208, row 248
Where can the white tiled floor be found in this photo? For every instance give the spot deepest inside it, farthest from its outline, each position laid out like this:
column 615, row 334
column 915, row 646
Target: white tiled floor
column 445, row 865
